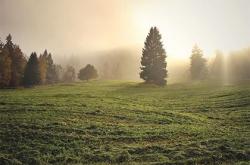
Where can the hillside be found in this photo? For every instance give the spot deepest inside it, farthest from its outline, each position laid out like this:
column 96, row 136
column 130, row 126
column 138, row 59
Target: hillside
column 104, row 122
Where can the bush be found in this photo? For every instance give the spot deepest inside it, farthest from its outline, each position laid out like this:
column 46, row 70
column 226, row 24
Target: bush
column 88, row 72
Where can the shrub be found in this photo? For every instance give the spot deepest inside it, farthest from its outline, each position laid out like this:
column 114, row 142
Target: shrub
column 88, row 72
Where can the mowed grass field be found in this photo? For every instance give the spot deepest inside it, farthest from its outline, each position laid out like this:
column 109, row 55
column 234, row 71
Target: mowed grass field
column 112, row 122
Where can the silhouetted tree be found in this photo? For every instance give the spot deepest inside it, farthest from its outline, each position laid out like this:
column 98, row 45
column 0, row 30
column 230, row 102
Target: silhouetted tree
column 5, row 67
column 18, row 62
column 198, row 67
column 32, row 73
column 153, row 59
column 69, row 74
column 9, row 46
column 51, row 70
column 87, row 73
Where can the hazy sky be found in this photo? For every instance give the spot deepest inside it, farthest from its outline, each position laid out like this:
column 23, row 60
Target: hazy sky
column 77, row 26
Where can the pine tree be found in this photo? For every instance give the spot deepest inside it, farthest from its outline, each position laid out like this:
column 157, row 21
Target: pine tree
column 153, row 59
column 5, row 67
column 43, row 66
column 18, row 66
column 18, row 62
column 9, row 44
column 32, row 73
column 51, row 70
column 198, row 67
column 88, row 72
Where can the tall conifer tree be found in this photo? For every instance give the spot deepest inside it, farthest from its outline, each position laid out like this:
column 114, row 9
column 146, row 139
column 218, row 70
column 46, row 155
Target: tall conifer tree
column 51, row 75
column 153, row 59
column 18, row 62
column 32, row 73
column 43, row 66
column 5, row 67
column 198, row 67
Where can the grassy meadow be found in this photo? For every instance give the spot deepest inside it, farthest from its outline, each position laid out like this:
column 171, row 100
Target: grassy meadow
column 116, row 122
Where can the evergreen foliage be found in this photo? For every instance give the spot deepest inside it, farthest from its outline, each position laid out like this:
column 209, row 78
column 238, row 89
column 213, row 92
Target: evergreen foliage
column 13, row 65
column 5, row 67
column 198, row 67
column 153, row 59
column 43, row 66
column 32, row 73
column 51, row 76
column 18, row 62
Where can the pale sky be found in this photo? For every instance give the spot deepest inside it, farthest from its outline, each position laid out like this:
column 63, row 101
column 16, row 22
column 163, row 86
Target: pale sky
column 78, row 26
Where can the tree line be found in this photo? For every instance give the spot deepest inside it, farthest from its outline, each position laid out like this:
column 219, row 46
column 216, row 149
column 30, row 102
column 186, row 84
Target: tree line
column 234, row 68
column 18, row 70
column 153, row 61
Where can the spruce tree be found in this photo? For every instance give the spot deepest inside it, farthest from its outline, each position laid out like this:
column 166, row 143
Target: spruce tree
column 51, row 75
column 43, row 66
column 32, row 73
column 18, row 62
column 5, row 67
column 198, row 67
column 153, row 59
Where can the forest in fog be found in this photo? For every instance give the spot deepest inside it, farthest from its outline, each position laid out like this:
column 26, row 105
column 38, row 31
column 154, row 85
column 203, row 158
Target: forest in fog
column 101, row 82
column 121, row 64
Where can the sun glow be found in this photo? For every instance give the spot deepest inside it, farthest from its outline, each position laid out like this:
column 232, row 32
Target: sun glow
column 183, row 24
column 97, row 25
column 176, row 42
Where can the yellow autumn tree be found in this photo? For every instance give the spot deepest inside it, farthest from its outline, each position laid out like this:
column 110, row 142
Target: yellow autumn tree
column 5, row 68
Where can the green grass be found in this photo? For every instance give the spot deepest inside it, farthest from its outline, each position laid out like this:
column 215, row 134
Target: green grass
column 111, row 122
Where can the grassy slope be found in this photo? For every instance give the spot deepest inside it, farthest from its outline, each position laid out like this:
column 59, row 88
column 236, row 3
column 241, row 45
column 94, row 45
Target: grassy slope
column 112, row 122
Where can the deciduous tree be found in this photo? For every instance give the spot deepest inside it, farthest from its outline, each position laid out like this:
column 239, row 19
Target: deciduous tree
column 69, row 74
column 88, row 72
